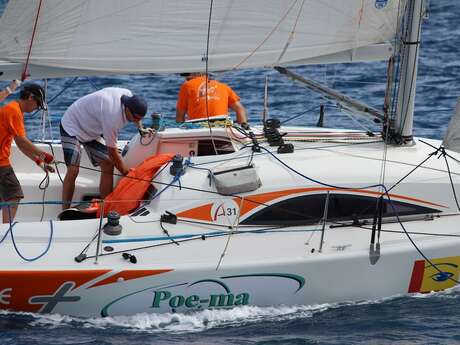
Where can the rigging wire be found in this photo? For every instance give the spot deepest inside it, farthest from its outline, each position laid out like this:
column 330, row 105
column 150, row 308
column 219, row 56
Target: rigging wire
column 351, row 116
column 291, row 34
column 29, row 52
column 207, row 75
column 298, row 115
column 445, row 155
column 386, row 122
column 233, row 230
column 64, row 88
column 251, row 53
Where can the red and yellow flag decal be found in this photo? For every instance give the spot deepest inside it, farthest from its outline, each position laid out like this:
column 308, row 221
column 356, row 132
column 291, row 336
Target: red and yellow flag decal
column 436, row 275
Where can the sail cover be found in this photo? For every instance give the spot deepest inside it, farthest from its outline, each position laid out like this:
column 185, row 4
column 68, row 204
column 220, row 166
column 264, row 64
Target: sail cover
column 164, row 36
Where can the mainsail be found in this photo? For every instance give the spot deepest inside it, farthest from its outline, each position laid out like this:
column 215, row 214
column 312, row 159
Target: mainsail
column 167, row 36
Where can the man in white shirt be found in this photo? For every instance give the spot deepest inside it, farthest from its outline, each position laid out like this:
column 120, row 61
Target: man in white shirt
column 90, row 121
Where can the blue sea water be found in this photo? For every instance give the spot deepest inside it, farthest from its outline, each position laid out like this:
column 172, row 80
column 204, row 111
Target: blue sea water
column 419, row 319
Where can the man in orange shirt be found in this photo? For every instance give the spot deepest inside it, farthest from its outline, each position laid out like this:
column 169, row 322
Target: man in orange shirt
column 31, row 97
column 220, row 97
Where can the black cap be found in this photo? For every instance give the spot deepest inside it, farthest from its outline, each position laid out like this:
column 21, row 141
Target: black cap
column 136, row 104
column 37, row 92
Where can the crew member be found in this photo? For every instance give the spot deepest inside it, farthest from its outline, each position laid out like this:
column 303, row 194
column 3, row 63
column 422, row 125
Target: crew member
column 94, row 121
column 31, row 97
column 192, row 99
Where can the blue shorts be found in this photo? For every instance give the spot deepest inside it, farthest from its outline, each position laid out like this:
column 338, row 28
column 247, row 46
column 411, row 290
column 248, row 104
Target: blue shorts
column 71, row 146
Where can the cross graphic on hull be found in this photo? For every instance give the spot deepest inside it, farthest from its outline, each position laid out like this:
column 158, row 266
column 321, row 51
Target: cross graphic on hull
column 50, row 301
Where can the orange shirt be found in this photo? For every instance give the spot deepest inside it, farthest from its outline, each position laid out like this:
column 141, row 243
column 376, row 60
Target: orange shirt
column 192, row 99
column 11, row 125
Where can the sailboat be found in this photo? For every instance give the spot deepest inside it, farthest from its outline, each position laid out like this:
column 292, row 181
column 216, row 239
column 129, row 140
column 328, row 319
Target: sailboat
column 273, row 215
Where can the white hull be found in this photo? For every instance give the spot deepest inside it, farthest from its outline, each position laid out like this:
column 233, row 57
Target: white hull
column 236, row 264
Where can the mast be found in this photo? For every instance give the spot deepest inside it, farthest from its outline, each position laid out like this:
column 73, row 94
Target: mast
column 410, row 42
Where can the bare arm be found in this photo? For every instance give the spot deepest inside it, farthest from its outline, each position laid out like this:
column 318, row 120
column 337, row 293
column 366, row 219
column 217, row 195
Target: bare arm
column 27, row 147
column 8, row 90
column 117, row 160
column 180, row 115
column 240, row 111
column 3, row 94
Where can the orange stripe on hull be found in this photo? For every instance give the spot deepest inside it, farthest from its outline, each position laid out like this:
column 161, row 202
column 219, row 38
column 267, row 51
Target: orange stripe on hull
column 32, row 290
column 198, row 213
column 128, row 275
column 17, row 287
column 250, row 202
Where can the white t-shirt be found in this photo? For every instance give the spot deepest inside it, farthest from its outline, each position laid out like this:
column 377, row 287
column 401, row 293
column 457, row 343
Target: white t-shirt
column 98, row 114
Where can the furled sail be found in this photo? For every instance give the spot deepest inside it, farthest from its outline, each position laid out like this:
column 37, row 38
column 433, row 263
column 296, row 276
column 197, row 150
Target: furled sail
column 164, row 36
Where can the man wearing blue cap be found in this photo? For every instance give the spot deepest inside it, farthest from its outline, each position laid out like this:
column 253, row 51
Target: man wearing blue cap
column 94, row 121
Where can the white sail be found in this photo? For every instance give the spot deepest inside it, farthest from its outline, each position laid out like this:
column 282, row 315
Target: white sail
column 164, row 36
column 451, row 139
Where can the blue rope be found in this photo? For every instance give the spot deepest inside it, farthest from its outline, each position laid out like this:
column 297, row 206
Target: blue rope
column 39, row 256
column 50, row 202
column 10, row 231
column 174, row 180
column 7, row 231
column 319, row 182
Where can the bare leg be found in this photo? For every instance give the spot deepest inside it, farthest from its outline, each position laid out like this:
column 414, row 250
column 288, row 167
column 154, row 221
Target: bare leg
column 106, row 184
column 10, row 211
column 68, row 187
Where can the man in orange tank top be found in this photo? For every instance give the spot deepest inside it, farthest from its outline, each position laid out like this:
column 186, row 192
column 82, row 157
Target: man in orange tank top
column 192, row 99
column 32, row 97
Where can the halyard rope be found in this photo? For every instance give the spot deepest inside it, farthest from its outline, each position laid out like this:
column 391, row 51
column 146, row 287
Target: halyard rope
column 24, row 72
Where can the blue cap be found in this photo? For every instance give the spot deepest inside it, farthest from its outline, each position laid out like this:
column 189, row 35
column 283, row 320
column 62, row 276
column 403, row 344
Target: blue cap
column 136, row 104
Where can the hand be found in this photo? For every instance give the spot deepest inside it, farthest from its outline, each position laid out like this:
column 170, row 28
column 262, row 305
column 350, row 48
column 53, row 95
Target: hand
column 48, row 168
column 13, row 86
column 126, row 172
column 46, row 157
column 146, row 132
column 245, row 125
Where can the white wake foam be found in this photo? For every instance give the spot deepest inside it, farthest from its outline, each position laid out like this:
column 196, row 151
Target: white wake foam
column 205, row 319
column 190, row 322
column 451, row 293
